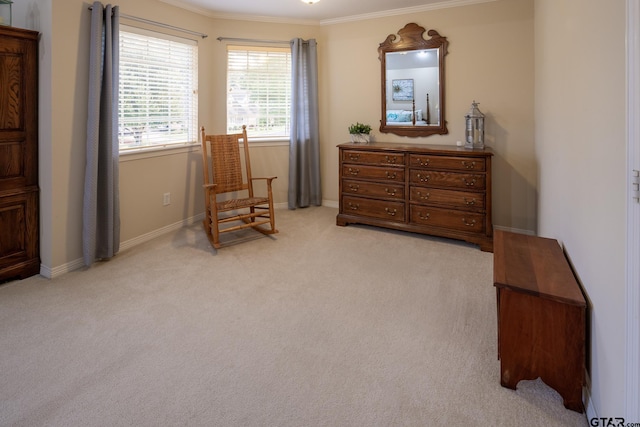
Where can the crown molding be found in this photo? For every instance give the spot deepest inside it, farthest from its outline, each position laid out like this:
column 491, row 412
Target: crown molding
column 362, row 17
column 240, row 16
column 403, row 11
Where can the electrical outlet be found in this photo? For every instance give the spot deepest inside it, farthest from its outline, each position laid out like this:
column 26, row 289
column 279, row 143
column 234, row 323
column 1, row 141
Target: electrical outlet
column 166, row 199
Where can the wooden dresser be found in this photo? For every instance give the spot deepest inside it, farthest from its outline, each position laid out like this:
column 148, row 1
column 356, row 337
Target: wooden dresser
column 19, row 249
column 430, row 189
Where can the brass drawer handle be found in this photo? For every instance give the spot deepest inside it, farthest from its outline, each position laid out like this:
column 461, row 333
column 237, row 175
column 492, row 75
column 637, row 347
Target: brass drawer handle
column 469, row 202
column 391, row 175
column 391, row 159
column 469, row 183
column 424, row 216
column 469, row 165
column 469, row 224
column 391, row 212
column 423, row 179
column 354, row 157
column 354, row 172
column 422, row 162
column 425, row 197
column 354, row 206
column 391, row 192
column 354, row 187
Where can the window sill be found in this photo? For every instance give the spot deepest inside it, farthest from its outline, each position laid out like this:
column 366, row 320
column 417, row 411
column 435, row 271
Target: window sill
column 169, row 150
column 268, row 142
column 149, row 152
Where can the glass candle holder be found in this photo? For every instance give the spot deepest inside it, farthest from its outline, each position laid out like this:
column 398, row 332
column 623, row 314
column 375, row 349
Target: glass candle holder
column 474, row 121
column 5, row 12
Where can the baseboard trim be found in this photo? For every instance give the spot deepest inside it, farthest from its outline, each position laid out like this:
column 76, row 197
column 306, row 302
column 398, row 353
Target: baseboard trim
column 589, row 407
column 514, row 230
column 160, row 231
column 331, row 204
column 52, row 273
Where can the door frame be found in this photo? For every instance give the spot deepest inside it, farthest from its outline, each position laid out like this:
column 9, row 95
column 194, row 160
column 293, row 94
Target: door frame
column 632, row 362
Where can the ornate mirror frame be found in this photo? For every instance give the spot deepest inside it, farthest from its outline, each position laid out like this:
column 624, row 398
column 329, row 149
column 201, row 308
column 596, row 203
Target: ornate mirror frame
column 411, row 39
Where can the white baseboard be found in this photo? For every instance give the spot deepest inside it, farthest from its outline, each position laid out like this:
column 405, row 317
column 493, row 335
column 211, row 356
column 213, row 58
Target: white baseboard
column 330, row 204
column 514, row 230
column 79, row 263
column 160, row 231
column 76, row 264
column 58, row 271
column 589, row 407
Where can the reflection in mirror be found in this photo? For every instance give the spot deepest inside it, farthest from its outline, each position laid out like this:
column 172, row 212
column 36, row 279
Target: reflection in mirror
column 413, row 83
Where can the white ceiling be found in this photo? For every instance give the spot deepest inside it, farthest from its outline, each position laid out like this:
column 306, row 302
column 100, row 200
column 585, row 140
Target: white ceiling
column 324, row 11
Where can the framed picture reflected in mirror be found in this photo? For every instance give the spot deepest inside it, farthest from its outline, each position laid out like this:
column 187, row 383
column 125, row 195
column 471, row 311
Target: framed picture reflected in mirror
column 402, row 89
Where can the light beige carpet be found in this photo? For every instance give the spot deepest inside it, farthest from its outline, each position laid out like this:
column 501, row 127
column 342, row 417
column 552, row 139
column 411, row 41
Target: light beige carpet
column 317, row 326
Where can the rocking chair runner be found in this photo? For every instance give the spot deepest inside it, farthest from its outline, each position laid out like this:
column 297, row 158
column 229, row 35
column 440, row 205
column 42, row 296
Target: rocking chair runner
column 223, row 176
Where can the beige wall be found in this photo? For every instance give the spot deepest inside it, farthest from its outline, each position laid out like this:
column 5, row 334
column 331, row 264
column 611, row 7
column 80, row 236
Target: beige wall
column 144, row 180
column 575, row 163
column 581, row 150
column 490, row 60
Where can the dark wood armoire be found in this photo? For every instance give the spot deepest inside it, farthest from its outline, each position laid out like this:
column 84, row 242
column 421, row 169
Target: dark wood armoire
column 19, row 247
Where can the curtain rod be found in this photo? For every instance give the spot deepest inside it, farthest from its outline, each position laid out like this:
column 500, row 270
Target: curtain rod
column 235, row 39
column 160, row 24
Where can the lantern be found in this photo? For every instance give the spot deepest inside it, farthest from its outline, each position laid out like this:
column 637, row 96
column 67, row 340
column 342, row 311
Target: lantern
column 5, row 12
column 475, row 127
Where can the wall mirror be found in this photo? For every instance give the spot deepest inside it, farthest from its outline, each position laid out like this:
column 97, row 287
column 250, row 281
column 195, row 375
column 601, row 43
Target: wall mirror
column 413, row 82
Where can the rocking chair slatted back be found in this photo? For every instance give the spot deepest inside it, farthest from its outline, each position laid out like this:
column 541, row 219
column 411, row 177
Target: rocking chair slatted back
column 225, row 176
column 225, row 162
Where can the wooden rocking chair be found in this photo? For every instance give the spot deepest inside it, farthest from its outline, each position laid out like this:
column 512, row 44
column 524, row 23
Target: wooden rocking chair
column 226, row 190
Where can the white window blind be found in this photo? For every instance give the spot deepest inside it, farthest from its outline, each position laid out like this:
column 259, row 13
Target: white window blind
column 158, row 91
column 259, row 90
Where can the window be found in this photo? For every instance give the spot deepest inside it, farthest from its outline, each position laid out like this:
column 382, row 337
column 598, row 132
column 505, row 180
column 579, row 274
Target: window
column 158, row 92
column 259, row 90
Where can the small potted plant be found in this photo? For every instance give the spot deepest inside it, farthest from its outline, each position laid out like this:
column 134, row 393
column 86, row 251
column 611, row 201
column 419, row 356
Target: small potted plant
column 359, row 133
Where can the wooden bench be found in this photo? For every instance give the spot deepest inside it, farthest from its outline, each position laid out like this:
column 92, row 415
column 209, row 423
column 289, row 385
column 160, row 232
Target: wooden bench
column 541, row 315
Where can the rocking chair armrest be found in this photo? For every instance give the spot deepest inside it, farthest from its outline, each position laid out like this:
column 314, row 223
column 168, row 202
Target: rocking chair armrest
column 210, row 187
column 269, row 179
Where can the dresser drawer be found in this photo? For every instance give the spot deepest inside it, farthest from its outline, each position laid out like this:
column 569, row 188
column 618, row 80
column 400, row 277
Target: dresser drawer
column 450, row 198
column 377, row 173
column 372, row 158
column 456, row 220
column 447, row 179
column 393, row 211
column 430, row 189
column 443, row 162
column 372, row 189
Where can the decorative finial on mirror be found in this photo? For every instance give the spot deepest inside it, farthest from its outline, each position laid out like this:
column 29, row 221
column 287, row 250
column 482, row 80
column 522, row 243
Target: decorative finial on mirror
column 474, row 127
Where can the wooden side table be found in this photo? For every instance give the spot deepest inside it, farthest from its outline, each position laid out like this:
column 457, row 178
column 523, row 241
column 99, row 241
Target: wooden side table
column 541, row 316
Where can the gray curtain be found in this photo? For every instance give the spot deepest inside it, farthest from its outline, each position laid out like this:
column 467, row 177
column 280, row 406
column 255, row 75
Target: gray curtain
column 101, row 207
column 304, row 146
